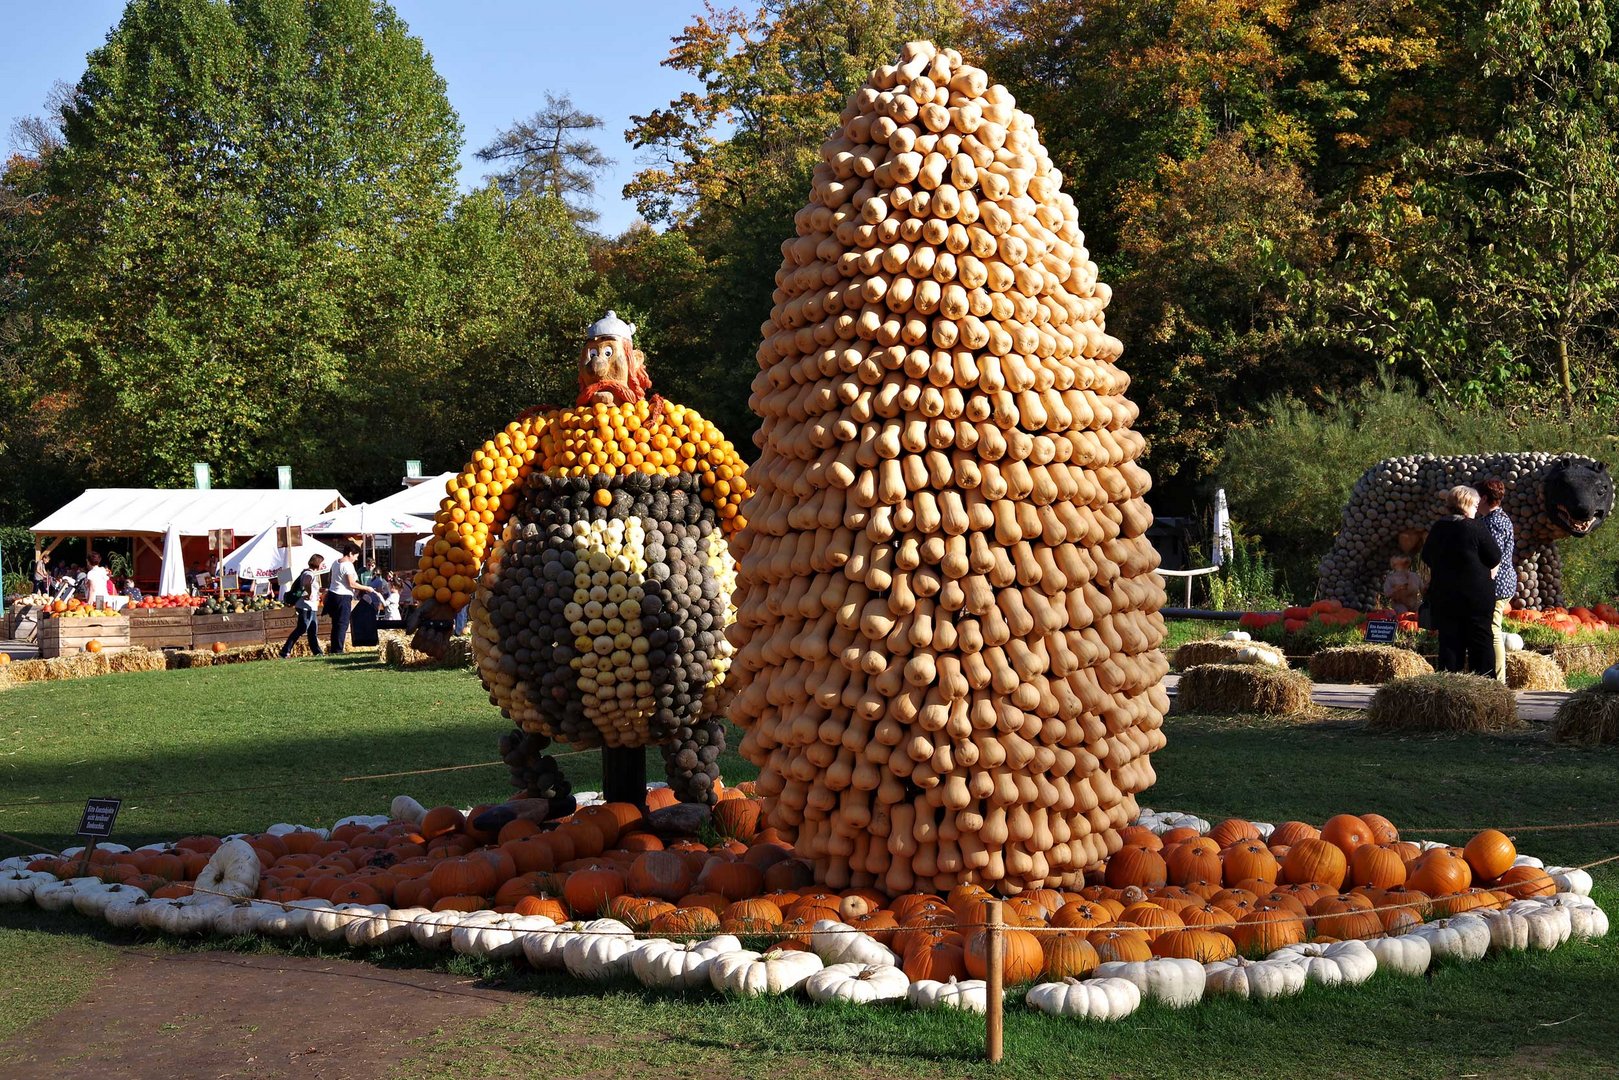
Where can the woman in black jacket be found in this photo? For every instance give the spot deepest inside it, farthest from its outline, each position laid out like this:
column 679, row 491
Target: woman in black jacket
column 1462, row 557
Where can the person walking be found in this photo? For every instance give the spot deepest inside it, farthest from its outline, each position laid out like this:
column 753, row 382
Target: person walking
column 1461, row 555
column 302, row 592
column 1491, row 494
column 42, row 573
column 340, row 593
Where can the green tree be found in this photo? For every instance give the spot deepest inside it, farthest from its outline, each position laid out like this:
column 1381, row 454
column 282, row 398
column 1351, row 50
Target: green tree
column 730, row 164
column 1494, row 271
column 550, row 154
column 240, row 181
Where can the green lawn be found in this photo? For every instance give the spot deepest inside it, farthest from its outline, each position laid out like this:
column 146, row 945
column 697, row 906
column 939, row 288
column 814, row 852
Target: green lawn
column 307, row 721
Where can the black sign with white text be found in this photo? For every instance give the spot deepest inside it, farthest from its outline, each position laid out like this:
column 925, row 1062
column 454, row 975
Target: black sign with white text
column 99, row 814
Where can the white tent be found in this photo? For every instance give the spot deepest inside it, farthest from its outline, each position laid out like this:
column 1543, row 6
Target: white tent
column 171, row 581
column 364, row 519
column 261, row 558
column 419, row 499
column 153, row 511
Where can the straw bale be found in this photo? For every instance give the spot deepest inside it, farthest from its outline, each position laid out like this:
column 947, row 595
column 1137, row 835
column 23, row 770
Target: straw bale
column 190, row 658
column 1216, row 651
column 1228, row 689
column 27, row 671
column 1589, row 717
column 1443, row 702
column 1366, row 664
column 1534, row 671
column 136, row 659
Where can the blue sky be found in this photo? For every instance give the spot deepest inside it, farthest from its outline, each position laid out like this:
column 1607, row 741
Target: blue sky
column 498, row 57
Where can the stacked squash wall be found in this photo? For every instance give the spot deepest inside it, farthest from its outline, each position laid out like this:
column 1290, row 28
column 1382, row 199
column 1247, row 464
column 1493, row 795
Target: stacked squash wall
column 947, row 624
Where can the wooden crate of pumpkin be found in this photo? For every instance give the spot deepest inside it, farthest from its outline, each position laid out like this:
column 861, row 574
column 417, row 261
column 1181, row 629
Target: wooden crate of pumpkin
column 68, row 637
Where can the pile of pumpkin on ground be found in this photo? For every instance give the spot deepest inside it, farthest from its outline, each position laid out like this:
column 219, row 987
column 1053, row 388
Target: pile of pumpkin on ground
column 1182, row 909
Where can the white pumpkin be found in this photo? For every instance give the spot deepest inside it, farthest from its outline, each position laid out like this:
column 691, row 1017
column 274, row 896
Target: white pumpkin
column 406, row 809
column 599, row 950
column 1173, row 982
column 1335, row 963
column 970, row 995
column 839, row 943
column 1585, row 917
column 1528, row 924
column 59, row 895
column 1264, row 828
column 1403, row 954
column 393, row 925
column 89, row 898
column 1259, row 980
column 1236, row 635
column 127, row 913
column 752, row 974
column 543, row 948
column 1570, row 879
column 188, row 915
column 283, row 828
column 1094, row 999
column 17, row 884
column 288, row 920
column 662, row 964
column 21, row 862
column 113, row 896
column 232, row 870
column 859, row 984
column 489, row 933
column 432, row 931
column 1512, row 642
column 330, row 922
column 1528, row 860
column 1256, row 654
column 237, row 918
column 1463, row 938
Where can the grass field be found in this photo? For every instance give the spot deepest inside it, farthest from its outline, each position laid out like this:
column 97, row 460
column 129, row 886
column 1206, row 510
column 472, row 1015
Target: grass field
column 263, row 741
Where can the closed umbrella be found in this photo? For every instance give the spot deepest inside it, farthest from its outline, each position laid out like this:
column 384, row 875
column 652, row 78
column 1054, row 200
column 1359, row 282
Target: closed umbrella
column 171, row 579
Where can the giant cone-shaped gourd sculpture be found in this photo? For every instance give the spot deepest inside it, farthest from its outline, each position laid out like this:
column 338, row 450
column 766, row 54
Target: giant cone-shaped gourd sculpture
column 947, row 611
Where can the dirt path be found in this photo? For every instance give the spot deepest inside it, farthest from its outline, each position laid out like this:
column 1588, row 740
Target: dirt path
column 161, row 1015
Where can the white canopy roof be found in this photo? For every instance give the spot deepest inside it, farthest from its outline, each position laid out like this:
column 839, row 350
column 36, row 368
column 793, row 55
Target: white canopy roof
column 261, row 558
column 151, row 511
column 367, row 520
column 420, row 499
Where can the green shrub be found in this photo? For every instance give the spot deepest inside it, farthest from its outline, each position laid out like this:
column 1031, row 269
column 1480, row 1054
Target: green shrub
column 1289, row 476
column 1246, row 581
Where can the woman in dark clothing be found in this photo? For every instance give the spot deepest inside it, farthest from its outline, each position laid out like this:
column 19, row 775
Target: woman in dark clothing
column 1462, row 557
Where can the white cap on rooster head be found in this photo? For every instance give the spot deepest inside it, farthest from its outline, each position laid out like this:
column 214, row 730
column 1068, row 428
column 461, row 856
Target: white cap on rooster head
column 611, row 370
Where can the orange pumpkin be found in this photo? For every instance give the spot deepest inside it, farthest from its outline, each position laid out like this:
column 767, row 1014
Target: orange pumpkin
column 1068, row 956
column 1383, row 830
column 1136, row 864
column 1347, row 832
column 1490, row 854
column 1378, row 867
column 1315, row 861
column 1120, row 944
column 1021, row 955
column 1260, row 933
column 1440, row 872
column 1204, row 946
column 588, row 891
column 940, row 961
column 1248, row 859
column 1523, row 882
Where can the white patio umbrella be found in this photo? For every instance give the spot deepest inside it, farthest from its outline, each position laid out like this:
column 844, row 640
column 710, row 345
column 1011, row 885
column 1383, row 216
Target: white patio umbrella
column 261, row 558
column 361, row 520
column 1222, row 529
column 171, row 579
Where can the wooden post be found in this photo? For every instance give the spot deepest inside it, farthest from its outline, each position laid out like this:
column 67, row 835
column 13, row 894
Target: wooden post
column 995, row 980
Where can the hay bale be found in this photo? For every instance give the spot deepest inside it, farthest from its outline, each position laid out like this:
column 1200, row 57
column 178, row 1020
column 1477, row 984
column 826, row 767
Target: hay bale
column 84, row 665
column 1216, row 651
column 190, row 658
column 1589, row 717
column 27, row 671
column 1443, row 702
column 395, row 651
column 1226, row 689
column 1534, row 671
column 1585, row 658
column 136, row 659
column 1367, row 664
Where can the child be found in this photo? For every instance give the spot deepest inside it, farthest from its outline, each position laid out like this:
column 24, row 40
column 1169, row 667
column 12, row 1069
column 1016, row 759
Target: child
column 1402, row 585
